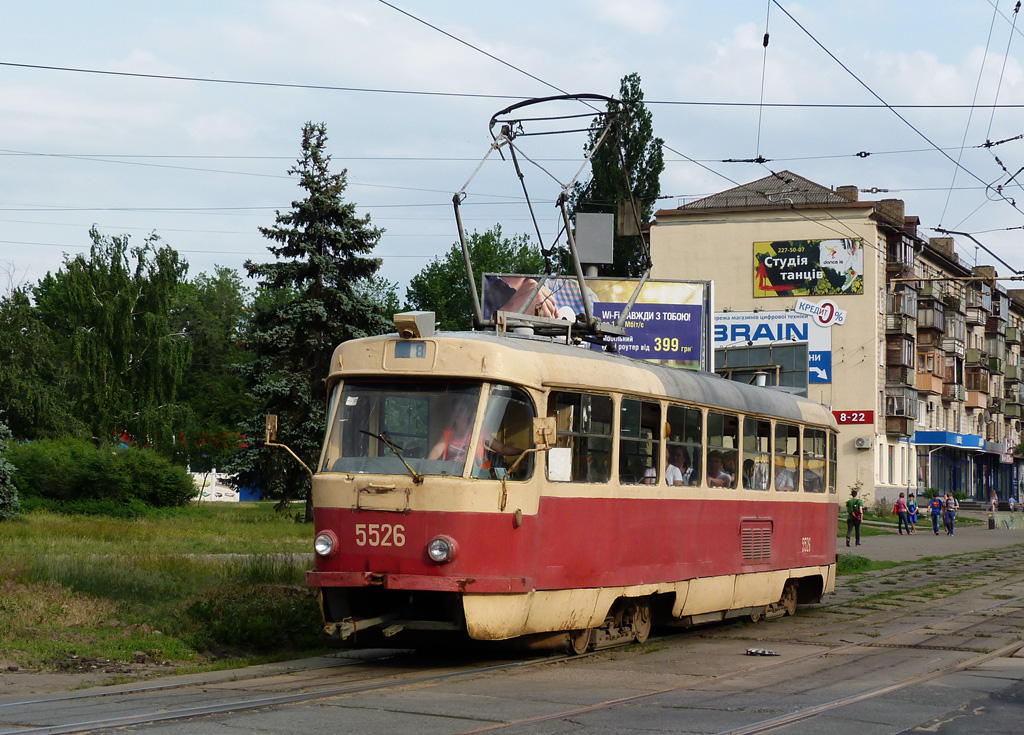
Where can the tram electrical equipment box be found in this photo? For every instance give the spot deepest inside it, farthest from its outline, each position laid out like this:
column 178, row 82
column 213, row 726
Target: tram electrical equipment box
column 413, row 324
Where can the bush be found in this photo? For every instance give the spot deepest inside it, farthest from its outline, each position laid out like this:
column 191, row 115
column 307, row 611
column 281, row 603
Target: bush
column 8, row 491
column 74, row 472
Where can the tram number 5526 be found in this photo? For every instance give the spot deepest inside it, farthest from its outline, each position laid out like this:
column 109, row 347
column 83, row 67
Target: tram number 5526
column 380, row 534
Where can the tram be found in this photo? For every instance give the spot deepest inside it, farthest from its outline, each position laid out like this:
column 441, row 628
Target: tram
column 521, row 482
column 500, row 486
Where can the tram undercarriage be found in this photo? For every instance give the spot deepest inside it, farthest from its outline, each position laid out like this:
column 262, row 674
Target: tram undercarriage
column 370, row 616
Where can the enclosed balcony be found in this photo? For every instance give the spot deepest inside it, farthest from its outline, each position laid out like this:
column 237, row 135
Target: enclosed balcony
column 1013, row 335
column 1012, row 374
column 995, row 325
column 953, row 392
column 900, row 324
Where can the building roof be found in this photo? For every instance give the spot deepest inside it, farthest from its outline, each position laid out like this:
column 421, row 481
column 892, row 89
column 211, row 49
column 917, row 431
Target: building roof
column 784, row 188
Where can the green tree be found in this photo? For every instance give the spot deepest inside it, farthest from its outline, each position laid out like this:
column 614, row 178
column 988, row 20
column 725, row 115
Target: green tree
column 211, row 311
column 112, row 309
column 441, row 287
column 630, row 160
column 35, row 373
column 8, row 493
column 308, row 301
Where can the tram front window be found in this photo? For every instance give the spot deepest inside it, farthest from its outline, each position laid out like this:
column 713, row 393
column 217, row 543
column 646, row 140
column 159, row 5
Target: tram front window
column 379, row 427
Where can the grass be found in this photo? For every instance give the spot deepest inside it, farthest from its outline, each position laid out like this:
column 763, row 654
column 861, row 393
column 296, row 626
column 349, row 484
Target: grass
column 188, row 587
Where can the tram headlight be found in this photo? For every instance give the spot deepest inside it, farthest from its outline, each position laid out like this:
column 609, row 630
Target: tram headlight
column 441, row 549
column 325, row 544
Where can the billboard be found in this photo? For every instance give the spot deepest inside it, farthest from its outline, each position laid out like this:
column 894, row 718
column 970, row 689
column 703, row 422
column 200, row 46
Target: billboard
column 768, row 328
column 667, row 324
column 808, row 267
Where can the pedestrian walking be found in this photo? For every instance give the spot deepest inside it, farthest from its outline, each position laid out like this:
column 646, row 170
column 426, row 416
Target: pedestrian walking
column 900, row 509
column 951, row 507
column 912, row 512
column 935, row 507
column 854, row 515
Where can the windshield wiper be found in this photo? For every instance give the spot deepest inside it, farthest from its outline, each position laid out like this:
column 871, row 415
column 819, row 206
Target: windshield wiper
column 397, row 450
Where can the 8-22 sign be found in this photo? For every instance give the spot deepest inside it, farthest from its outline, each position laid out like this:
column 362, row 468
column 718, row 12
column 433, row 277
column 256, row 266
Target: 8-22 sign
column 854, row 417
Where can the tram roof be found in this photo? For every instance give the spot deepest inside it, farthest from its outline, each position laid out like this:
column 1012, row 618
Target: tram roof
column 581, row 368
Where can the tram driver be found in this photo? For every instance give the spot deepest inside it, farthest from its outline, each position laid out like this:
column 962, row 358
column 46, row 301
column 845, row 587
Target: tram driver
column 455, row 439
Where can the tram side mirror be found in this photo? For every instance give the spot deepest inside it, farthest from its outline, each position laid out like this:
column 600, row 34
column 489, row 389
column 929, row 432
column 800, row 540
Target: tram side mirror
column 560, row 464
column 271, row 427
column 544, row 431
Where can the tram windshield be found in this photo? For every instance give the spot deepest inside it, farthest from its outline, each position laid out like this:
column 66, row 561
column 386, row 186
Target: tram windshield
column 436, row 428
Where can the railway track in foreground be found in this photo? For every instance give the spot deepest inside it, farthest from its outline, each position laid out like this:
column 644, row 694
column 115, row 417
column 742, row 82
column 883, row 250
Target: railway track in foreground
column 898, row 633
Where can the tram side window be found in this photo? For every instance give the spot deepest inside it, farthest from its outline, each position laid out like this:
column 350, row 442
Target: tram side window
column 723, row 449
column 832, row 463
column 584, row 422
column 683, row 444
column 757, row 454
column 508, row 422
column 639, row 442
column 787, row 456
column 813, row 471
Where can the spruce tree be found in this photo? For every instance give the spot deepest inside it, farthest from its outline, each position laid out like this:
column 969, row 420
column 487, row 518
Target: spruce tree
column 310, row 299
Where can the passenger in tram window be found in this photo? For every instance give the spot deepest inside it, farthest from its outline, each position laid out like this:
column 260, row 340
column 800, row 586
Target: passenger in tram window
column 678, row 470
column 729, row 464
column 717, row 477
column 812, row 480
column 650, row 476
column 785, row 479
column 748, row 474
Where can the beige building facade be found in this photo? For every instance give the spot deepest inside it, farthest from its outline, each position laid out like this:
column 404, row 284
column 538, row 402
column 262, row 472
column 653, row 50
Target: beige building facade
column 916, row 354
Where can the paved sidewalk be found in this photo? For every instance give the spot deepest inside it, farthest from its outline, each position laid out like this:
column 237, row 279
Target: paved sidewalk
column 967, row 539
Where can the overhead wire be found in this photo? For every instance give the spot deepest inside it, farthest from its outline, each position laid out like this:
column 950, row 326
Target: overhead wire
column 764, row 66
column 887, row 105
column 970, row 116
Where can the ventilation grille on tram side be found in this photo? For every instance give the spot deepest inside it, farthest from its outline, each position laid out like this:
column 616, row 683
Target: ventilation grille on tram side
column 756, row 541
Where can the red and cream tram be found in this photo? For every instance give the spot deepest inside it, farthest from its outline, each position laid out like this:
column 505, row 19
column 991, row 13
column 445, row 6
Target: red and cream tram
column 501, row 486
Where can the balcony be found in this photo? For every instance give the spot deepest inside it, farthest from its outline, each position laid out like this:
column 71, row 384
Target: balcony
column 995, row 405
column 900, row 324
column 995, row 325
column 929, row 383
column 976, row 316
column 976, row 399
column 953, row 392
column 899, row 426
column 975, row 356
column 953, row 302
column 931, row 318
column 996, row 365
column 1012, row 410
column 1012, row 374
column 1012, row 396
column 1013, row 335
column 953, row 346
column 899, row 375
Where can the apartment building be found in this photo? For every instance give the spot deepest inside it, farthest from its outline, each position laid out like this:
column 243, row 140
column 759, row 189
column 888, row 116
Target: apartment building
column 916, row 353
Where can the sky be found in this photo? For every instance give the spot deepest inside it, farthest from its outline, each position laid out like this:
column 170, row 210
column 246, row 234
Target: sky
column 182, row 119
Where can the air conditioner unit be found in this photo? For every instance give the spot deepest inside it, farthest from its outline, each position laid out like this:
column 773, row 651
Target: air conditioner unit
column 863, row 442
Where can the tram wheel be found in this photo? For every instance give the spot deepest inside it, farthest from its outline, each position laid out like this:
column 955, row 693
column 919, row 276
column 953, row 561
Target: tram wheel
column 755, row 617
column 640, row 620
column 580, row 640
column 788, row 601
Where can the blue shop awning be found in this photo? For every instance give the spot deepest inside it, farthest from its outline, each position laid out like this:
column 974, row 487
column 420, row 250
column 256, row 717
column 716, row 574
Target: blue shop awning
column 950, row 439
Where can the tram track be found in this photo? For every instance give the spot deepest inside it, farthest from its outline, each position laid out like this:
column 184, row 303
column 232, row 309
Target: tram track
column 1008, row 607
column 1000, row 624
column 368, row 680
